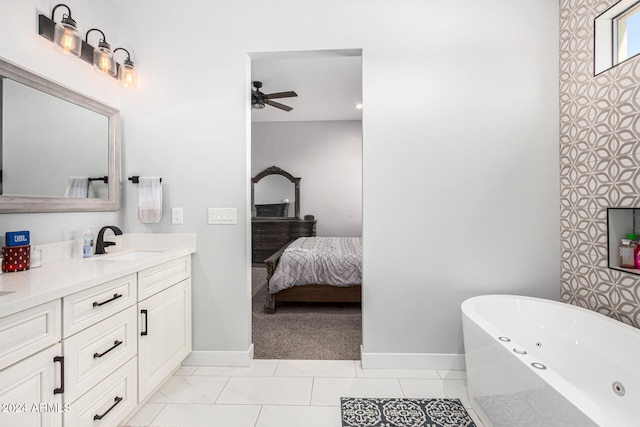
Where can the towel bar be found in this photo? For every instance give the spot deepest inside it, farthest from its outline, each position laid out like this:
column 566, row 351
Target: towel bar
column 104, row 179
column 135, row 179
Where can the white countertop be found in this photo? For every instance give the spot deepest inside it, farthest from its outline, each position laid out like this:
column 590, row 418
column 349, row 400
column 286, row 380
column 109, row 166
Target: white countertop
column 66, row 275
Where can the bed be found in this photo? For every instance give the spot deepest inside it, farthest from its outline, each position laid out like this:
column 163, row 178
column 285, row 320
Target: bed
column 315, row 269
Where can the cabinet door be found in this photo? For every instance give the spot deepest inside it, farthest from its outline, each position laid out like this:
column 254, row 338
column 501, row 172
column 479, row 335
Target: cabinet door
column 164, row 335
column 27, row 396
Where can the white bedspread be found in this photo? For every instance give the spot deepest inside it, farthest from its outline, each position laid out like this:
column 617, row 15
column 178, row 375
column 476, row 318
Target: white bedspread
column 333, row 261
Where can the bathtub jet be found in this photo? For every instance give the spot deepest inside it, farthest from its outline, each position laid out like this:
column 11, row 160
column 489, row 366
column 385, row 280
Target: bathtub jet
column 532, row 361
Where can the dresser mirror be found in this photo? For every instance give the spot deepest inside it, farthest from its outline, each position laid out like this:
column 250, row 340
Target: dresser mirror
column 51, row 136
column 275, row 194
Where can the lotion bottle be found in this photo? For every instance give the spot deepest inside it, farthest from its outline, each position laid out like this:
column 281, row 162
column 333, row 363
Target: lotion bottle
column 87, row 245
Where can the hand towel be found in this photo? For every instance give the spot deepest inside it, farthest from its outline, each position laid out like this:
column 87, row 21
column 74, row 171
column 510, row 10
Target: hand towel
column 149, row 199
column 77, row 187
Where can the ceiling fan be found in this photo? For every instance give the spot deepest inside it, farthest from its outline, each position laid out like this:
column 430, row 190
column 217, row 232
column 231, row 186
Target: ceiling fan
column 259, row 99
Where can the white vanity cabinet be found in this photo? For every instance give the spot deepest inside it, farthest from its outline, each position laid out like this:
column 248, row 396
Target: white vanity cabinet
column 90, row 357
column 31, row 383
column 164, row 337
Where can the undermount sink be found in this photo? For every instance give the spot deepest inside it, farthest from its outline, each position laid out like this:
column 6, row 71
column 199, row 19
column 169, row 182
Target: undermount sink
column 126, row 256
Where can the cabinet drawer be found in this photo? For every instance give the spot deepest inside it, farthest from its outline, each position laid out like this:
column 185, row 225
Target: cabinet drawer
column 155, row 279
column 109, row 402
column 90, row 306
column 94, row 353
column 29, row 331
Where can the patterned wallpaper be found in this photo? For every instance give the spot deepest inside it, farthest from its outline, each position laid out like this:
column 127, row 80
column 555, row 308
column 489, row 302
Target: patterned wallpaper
column 599, row 164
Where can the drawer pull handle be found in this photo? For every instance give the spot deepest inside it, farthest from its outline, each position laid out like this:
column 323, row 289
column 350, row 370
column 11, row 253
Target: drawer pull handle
column 99, row 417
column 146, row 324
column 60, row 359
column 115, row 297
column 115, row 344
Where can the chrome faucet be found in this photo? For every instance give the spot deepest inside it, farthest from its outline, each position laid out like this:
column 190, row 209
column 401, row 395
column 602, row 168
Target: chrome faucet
column 101, row 243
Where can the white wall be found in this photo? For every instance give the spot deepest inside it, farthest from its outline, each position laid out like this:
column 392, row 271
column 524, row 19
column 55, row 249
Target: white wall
column 21, row 44
column 460, row 152
column 460, row 125
column 327, row 156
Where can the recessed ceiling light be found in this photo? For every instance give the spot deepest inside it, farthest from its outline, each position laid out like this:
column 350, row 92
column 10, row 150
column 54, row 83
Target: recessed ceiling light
column 359, row 106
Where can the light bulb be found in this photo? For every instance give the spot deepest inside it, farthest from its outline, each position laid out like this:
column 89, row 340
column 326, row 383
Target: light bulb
column 127, row 75
column 103, row 59
column 66, row 37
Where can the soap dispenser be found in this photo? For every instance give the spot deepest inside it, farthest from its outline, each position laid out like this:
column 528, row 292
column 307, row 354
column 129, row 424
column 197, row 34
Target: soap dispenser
column 87, row 245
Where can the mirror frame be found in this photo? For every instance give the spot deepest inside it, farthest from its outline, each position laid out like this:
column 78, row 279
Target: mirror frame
column 274, row 170
column 34, row 204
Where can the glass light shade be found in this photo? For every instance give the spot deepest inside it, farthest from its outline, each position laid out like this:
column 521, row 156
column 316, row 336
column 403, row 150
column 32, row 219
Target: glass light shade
column 127, row 75
column 103, row 60
column 66, row 37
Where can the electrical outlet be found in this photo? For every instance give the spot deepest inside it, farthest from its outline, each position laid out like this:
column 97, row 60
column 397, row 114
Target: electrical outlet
column 177, row 216
column 222, row 216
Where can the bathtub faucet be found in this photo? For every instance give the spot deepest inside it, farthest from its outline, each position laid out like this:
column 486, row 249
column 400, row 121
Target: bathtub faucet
column 100, row 242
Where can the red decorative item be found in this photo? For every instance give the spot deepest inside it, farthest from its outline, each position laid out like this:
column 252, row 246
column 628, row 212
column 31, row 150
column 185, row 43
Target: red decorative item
column 16, row 258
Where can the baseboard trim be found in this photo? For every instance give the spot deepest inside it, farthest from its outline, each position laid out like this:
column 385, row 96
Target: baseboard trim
column 411, row 360
column 220, row 358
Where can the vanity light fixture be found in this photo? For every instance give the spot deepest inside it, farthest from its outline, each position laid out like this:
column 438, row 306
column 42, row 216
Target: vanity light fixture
column 102, row 57
column 64, row 35
column 127, row 74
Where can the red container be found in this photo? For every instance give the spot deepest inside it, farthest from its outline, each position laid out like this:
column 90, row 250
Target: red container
column 16, row 258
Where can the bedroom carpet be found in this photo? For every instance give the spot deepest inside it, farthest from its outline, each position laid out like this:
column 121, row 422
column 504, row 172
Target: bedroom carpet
column 304, row 331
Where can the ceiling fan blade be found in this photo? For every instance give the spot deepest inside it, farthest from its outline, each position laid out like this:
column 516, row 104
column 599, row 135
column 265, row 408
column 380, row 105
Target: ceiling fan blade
column 278, row 105
column 288, row 94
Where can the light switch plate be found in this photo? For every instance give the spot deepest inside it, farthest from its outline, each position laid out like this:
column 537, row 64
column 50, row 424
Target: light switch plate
column 177, row 216
column 222, row 216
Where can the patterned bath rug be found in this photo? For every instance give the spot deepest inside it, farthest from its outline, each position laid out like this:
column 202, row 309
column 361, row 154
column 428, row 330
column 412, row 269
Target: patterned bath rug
column 436, row 412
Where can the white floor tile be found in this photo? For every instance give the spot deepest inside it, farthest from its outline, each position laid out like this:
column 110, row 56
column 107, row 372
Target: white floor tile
column 185, row 370
column 185, row 415
column 395, row 373
column 258, row 368
column 267, row 391
column 436, row 388
column 316, row 368
column 145, row 415
column 192, row 389
column 297, row 416
column 452, row 375
column 286, row 393
column 328, row 391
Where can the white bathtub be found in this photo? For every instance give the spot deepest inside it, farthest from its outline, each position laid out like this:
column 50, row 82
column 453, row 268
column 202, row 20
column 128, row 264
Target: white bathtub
column 591, row 374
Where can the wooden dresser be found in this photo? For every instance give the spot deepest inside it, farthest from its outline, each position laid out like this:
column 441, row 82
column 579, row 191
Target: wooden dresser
column 269, row 235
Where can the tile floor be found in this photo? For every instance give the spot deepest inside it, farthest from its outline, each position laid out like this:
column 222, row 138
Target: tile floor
column 285, row 393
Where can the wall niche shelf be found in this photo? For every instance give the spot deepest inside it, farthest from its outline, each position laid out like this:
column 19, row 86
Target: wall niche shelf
column 620, row 222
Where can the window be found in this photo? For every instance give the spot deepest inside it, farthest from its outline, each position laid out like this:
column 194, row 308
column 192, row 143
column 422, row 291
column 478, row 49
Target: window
column 617, row 35
column 627, row 34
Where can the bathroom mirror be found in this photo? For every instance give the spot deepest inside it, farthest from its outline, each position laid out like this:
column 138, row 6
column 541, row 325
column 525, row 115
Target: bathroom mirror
column 275, row 194
column 48, row 134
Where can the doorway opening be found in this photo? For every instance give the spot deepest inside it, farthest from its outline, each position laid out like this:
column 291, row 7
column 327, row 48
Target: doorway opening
column 317, row 137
